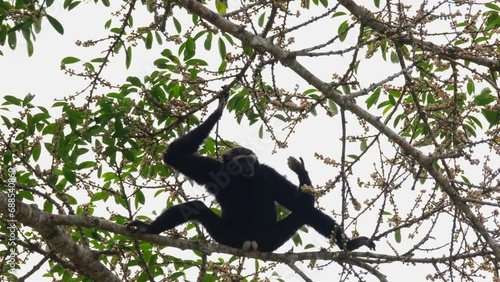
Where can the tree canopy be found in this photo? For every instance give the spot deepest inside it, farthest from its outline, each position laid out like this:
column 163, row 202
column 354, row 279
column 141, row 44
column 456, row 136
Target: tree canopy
column 395, row 106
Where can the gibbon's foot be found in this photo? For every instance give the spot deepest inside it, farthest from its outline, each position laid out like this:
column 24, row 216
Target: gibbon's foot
column 137, row 227
column 359, row 242
column 250, row 246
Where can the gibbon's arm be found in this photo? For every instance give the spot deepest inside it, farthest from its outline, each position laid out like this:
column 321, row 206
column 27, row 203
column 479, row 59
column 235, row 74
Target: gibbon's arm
column 285, row 192
column 321, row 222
column 300, row 169
column 182, row 152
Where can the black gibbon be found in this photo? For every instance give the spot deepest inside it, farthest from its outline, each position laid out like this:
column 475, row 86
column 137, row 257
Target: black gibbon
column 247, row 192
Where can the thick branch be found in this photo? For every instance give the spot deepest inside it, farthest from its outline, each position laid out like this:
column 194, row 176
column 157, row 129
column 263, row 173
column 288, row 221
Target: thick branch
column 83, row 259
column 451, row 53
column 30, row 215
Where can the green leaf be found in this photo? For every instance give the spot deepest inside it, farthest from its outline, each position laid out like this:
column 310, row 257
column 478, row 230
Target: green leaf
column 484, row 98
column 159, row 38
column 470, row 87
column 492, row 6
column 30, row 48
column 98, row 196
column 208, row 42
column 107, row 24
column 134, row 81
column 69, row 175
column 209, row 278
column 116, row 30
column 26, row 32
column 86, row 164
column 469, row 130
column 128, row 155
column 128, row 57
column 139, row 197
column 37, row 150
column 346, row 89
column 90, row 66
column 397, row 235
column 465, row 179
column 394, row 57
column 222, row 49
column 342, row 30
column 297, row 240
column 7, row 158
column 247, row 49
column 70, row 60
column 196, row 62
column 12, row 40
column 261, row 19
column 338, row 14
column 492, row 116
column 372, row 100
column 280, row 117
column 98, row 60
column 149, row 40
column 392, row 100
column 363, row 145
column 73, row 5
column 11, row 100
column 190, row 49
column 243, row 104
column 176, row 275
column 48, row 206
column 3, row 35
column 55, row 24
column 354, row 157
column 221, row 6
column 474, row 121
column 222, row 66
column 332, row 107
column 177, row 25
column 118, row 47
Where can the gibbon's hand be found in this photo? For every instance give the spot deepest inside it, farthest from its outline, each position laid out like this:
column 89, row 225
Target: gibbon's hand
column 298, row 167
column 223, row 98
column 137, row 227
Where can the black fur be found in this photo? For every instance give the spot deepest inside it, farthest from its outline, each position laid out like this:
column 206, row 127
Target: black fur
column 247, row 199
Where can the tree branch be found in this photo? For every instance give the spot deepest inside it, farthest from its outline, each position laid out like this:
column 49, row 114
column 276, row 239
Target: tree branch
column 60, row 242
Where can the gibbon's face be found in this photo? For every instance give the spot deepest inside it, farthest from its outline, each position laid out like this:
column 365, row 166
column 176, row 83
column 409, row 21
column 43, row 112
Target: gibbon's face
column 246, row 161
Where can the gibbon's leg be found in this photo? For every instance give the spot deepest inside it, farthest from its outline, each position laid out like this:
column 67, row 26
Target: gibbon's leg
column 180, row 214
column 219, row 230
column 172, row 217
column 272, row 237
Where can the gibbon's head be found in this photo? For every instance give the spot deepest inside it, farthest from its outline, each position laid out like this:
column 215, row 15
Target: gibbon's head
column 243, row 159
